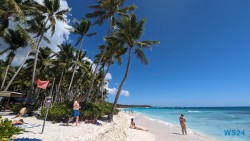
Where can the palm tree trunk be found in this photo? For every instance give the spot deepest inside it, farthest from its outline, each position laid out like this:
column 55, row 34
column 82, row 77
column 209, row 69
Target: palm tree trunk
column 120, row 87
column 5, row 75
column 104, row 78
column 74, row 71
column 98, row 63
column 7, row 87
column 35, row 62
column 58, row 86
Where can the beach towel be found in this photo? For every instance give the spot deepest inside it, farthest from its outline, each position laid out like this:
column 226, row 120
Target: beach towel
column 24, row 126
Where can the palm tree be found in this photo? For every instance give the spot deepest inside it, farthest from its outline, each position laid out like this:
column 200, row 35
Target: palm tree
column 64, row 61
column 81, row 28
column 44, row 63
column 114, row 52
column 25, row 35
column 52, row 11
column 103, row 10
column 130, row 31
column 15, row 40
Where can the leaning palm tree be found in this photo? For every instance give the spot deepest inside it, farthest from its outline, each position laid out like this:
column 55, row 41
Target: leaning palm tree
column 130, row 31
column 113, row 53
column 80, row 28
column 15, row 40
column 52, row 12
column 103, row 10
column 33, row 47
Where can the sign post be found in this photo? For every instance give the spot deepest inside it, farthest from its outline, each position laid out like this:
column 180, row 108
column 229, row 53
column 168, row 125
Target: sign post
column 48, row 101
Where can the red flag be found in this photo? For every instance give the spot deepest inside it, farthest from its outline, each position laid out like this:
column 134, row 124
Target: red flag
column 42, row 84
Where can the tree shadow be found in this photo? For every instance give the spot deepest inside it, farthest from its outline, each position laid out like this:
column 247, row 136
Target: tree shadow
column 27, row 139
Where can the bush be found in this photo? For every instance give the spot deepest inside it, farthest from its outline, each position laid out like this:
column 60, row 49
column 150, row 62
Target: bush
column 57, row 112
column 15, row 108
column 90, row 111
column 7, row 129
column 60, row 111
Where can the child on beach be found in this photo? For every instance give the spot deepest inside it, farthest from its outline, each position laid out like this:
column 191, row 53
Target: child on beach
column 132, row 125
column 183, row 125
column 76, row 107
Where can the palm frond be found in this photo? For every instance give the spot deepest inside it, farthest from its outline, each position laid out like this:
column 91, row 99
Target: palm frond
column 95, row 14
column 56, row 5
column 146, row 44
column 91, row 34
column 17, row 9
column 53, row 23
column 4, row 51
column 46, row 39
column 60, row 18
column 141, row 56
column 128, row 8
column 26, row 34
column 63, row 12
column 48, row 4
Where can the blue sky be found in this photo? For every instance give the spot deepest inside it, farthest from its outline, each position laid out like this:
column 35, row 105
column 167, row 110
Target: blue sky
column 203, row 58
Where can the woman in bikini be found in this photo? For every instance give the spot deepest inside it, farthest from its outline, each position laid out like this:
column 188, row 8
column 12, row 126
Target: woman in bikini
column 132, row 125
column 183, row 125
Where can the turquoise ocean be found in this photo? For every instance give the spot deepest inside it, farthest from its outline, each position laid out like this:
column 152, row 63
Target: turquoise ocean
column 217, row 122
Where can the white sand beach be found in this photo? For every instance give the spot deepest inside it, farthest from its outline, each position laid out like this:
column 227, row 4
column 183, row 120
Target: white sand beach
column 116, row 131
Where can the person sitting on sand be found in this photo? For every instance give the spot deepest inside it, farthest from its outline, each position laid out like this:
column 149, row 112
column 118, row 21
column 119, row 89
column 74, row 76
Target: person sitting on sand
column 21, row 124
column 183, row 125
column 22, row 112
column 17, row 122
column 132, row 125
column 93, row 121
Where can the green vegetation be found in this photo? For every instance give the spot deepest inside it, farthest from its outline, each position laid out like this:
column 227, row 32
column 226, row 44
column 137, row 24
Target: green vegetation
column 87, row 111
column 7, row 129
column 69, row 66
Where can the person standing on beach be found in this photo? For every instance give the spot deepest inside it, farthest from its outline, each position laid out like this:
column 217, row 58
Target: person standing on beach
column 183, row 124
column 76, row 113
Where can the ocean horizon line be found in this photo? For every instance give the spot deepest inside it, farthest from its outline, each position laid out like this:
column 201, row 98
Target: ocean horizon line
column 194, row 106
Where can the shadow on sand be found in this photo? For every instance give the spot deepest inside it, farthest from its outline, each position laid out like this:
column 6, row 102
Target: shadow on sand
column 27, row 139
column 177, row 134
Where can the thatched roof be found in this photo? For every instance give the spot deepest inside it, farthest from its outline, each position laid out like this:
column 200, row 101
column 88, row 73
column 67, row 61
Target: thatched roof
column 11, row 94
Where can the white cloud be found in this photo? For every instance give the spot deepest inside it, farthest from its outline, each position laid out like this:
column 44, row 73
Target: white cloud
column 113, row 91
column 108, row 77
column 125, row 93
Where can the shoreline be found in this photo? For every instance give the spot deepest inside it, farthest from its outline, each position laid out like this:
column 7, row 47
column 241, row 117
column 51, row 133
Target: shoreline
column 164, row 130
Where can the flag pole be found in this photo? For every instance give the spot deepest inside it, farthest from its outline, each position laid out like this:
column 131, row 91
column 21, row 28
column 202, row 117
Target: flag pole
column 47, row 104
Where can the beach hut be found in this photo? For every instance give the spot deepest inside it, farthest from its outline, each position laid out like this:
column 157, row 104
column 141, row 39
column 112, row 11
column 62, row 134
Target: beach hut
column 10, row 94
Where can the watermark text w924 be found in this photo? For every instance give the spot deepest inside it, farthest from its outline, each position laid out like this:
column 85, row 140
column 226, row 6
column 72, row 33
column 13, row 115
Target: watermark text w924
column 234, row 132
